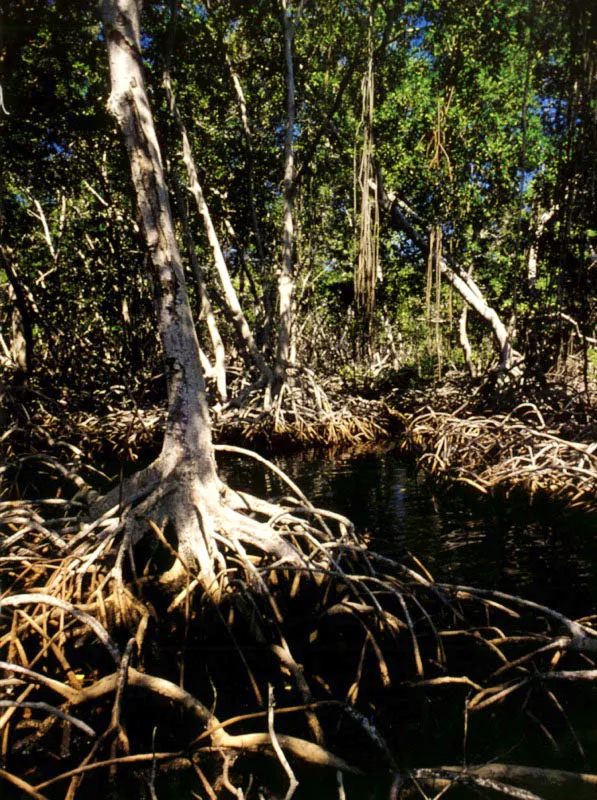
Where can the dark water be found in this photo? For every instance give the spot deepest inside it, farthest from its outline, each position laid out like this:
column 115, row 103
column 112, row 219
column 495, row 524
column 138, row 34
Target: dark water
column 539, row 551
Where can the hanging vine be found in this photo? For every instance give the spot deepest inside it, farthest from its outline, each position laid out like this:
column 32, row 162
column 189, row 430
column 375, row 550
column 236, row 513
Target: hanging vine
column 368, row 267
column 439, row 160
column 434, row 277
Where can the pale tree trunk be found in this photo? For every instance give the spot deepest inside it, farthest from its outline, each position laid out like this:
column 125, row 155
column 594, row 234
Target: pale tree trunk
column 471, row 294
column 181, row 488
column 219, row 368
column 465, row 342
column 242, row 104
column 21, row 344
column 532, row 258
column 463, row 283
column 266, row 296
column 238, row 318
column 286, row 275
column 18, row 342
column 187, row 455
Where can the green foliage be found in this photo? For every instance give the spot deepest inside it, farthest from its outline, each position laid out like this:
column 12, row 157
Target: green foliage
column 484, row 120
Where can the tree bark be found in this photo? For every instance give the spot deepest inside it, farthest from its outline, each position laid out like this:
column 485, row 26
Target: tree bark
column 21, row 346
column 267, row 295
column 242, row 105
column 239, row 320
column 286, row 276
column 187, row 454
column 543, row 217
column 465, row 342
column 219, row 367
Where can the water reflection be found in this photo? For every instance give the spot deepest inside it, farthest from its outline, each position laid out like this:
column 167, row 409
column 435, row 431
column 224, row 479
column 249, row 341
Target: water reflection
column 547, row 555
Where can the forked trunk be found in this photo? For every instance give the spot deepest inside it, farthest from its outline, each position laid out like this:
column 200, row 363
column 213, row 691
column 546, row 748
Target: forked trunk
column 463, row 283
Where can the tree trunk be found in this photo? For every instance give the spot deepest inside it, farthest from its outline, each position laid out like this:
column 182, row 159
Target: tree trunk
column 267, row 295
column 464, row 284
column 21, row 347
column 239, row 320
column 180, row 489
column 542, row 218
column 219, row 368
column 286, row 276
column 242, row 104
column 187, row 454
column 465, row 342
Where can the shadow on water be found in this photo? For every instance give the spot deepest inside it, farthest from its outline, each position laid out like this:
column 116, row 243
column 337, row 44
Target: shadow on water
column 539, row 551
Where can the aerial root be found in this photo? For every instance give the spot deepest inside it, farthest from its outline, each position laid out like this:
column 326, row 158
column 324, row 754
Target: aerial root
column 304, row 412
column 444, row 778
column 22, row 785
column 524, row 672
column 513, row 780
column 78, row 585
column 85, row 569
column 215, row 730
column 506, row 452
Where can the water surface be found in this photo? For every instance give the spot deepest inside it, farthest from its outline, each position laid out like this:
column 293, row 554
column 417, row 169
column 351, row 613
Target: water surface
column 538, row 550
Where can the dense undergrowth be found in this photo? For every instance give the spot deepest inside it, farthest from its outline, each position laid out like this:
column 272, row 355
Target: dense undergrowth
column 537, row 440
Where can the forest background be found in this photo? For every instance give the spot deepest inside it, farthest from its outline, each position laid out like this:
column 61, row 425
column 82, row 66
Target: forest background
column 375, row 207
column 431, row 144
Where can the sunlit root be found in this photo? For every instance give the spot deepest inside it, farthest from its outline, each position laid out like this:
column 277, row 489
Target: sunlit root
column 306, row 412
column 88, row 578
column 506, row 452
column 266, row 569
